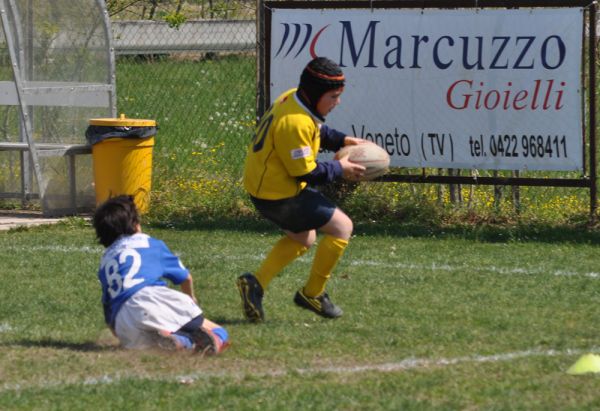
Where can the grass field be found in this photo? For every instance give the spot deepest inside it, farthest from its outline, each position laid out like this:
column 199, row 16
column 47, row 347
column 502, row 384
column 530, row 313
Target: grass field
column 471, row 305
column 470, row 319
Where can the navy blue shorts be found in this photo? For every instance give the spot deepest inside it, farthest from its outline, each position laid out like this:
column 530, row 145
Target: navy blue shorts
column 309, row 210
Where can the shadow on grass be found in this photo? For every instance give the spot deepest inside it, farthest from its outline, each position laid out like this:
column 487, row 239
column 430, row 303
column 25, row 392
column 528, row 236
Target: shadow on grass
column 243, row 322
column 522, row 232
column 62, row 345
column 230, row 321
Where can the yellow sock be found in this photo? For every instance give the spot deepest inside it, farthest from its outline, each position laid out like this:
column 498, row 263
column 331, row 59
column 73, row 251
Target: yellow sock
column 283, row 252
column 328, row 253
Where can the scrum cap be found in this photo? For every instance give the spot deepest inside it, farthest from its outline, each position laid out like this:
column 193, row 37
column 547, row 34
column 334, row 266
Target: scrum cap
column 318, row 77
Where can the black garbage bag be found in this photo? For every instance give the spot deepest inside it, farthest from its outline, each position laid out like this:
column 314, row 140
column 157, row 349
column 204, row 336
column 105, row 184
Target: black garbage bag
column 96, row 134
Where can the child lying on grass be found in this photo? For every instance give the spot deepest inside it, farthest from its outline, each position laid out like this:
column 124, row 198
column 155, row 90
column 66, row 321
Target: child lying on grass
column 139, row 307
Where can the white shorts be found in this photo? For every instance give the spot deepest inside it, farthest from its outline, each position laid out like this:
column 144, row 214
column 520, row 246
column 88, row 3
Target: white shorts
column 150, row 310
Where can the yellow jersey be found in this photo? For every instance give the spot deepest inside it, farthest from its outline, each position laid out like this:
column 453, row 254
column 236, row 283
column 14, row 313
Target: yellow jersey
column 285, row 146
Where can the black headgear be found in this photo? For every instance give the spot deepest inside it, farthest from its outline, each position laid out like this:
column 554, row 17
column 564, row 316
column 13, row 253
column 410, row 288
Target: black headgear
column 318, row 77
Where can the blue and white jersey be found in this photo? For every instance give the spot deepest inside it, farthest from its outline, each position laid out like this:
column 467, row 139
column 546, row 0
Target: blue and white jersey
column 132, row 263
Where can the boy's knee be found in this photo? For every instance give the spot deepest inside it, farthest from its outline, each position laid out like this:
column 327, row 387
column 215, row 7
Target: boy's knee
column 341, row 226
column 310, row 241
column 347, row 231
column 349, row 228
column 306, row 238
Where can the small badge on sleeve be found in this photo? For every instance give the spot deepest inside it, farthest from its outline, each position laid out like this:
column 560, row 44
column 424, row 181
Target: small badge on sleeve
column 301, row 152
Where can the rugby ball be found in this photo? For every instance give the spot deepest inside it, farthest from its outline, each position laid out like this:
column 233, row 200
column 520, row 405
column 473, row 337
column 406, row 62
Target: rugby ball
column 375, row 159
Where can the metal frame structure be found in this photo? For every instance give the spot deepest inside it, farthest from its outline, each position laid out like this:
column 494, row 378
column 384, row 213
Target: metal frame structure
column 26, row 94
column 589, row 177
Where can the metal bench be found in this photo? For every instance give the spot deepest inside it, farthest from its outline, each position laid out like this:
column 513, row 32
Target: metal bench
column 69, row 151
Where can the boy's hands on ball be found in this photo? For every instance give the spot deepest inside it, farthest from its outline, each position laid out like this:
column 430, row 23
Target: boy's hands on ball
column 362, row 160
column 352, row 171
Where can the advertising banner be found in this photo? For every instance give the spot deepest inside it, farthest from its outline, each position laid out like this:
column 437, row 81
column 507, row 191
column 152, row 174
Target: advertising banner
column 465, row 88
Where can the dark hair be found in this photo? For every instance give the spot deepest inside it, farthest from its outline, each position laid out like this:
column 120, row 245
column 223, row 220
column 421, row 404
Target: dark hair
column 318, row 77
column 115, row 217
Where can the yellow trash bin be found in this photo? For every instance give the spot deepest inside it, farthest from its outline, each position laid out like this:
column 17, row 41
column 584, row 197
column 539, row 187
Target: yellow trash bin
column 122, row 158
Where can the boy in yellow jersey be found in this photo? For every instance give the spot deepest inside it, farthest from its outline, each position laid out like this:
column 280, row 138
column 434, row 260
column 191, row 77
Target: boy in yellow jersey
column 281, row 165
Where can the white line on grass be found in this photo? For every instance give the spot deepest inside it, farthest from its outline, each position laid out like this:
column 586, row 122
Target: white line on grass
column 399, row 366
column 355, row 262
column 484, row 268
column 53, row 248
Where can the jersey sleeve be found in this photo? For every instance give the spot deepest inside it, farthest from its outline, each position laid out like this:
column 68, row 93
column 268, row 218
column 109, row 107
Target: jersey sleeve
column 295, row 145
column 331, row 139
column 325, row 172
column 173, row 269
